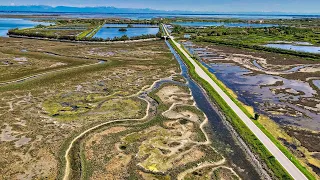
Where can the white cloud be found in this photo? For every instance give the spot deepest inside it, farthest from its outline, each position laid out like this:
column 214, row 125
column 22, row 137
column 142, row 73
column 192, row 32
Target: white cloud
column 12, row 4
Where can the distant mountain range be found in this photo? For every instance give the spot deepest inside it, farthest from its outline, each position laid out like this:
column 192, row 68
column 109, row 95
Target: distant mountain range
column 69, row 9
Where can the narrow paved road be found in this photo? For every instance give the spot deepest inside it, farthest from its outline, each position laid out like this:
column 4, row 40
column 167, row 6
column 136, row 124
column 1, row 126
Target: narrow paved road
column 283, row 160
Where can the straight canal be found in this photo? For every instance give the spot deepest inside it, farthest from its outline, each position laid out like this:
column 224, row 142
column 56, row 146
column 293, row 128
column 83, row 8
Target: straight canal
column 223, row 138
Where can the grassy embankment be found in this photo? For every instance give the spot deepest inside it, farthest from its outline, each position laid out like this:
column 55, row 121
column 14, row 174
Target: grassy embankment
column 241, row 128
column 250, row 113
column 89, row 33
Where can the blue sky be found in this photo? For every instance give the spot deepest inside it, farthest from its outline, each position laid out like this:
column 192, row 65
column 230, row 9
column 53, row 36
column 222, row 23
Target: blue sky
column 299, row 6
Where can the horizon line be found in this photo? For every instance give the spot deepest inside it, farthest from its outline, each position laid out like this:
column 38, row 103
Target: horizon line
column 213, row 12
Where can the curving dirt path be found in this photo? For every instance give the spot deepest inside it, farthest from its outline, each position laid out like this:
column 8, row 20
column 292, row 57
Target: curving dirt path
column 67, row 153
column 66, row 156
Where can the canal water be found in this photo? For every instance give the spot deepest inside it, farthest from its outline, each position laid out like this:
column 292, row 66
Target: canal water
column 222, row 138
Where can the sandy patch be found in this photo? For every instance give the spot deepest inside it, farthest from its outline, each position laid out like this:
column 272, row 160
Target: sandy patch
column 96, row 139
column 310, row 69
column 171, row 114
column 173, row 94
column 115, row 169
column 44, row 168
column 21, row 59
column 58, row 64
column 191, row 156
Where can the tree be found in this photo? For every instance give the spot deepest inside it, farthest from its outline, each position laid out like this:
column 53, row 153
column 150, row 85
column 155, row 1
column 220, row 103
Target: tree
column 159, row 34
column 40, row 26
column 124, row 38
column 256, row 116
column 178, row 29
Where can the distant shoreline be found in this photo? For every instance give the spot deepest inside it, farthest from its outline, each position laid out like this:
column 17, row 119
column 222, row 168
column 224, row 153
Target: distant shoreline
column 164, row 13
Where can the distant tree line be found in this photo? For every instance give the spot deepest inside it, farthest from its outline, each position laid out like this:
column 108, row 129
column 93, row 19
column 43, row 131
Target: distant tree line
column 18, row 32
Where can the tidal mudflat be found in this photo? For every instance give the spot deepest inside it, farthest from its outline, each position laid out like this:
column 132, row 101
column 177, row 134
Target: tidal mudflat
column 280, row 87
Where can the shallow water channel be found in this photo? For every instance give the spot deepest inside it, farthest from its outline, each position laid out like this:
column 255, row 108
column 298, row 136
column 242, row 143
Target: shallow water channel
column 223, row 139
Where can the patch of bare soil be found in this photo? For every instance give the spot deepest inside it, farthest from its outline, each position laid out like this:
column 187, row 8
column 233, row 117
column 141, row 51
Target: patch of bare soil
column 173, row 94
column 308, row 139
column 96, row 139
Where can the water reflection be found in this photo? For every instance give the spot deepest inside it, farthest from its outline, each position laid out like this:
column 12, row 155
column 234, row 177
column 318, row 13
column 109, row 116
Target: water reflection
column 131, row 32
column 284, row 100
column 309, row 49
column 9, row 23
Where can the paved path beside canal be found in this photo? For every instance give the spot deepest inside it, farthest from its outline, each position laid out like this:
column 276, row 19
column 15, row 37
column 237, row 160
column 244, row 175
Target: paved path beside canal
column 283, row 160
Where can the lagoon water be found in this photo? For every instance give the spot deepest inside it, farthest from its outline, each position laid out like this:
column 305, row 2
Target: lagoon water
column 207, row 24
column 6, row 24
column 131, row 32
column 309, row 49
column 133, row 25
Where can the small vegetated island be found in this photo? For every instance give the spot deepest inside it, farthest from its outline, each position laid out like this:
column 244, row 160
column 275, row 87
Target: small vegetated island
column 123, row 29
column 136, row 110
